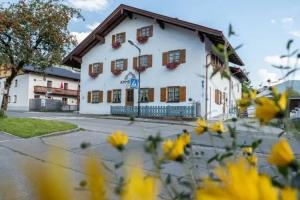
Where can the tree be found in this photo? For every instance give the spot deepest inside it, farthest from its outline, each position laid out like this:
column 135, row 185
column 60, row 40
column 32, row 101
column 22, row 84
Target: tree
column 34, row 32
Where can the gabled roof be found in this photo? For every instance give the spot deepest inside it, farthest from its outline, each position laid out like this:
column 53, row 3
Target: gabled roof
column 118, row 15
column 54, row 71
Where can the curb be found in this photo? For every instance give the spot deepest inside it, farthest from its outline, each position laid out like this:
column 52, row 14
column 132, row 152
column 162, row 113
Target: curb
column 58, row 133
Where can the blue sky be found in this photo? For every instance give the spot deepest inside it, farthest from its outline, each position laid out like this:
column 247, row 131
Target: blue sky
column 263, row 26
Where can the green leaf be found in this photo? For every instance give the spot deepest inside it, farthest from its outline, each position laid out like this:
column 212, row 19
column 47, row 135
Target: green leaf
column 168, row 179
column 118, row 165
column 283, row 171
column 215, row 157
column 256, row 143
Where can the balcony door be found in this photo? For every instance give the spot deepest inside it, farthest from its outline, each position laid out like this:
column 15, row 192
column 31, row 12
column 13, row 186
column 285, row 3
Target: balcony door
column 129, row 97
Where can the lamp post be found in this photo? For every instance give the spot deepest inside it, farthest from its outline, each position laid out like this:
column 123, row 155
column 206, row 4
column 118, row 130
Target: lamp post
column 139, row 65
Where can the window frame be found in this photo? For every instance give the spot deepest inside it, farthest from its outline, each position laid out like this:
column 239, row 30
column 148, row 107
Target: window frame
column 143, row 58
column 119, row 37
column 171, row 94
column 145, row 31
column 175, row 55
column 117, row 96
column 96, row 68
column 144, row 95
column 95, row 96
column 117, row 63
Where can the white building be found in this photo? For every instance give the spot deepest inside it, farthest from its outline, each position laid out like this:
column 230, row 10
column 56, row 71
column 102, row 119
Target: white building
column 173, row 64
column 54, row 83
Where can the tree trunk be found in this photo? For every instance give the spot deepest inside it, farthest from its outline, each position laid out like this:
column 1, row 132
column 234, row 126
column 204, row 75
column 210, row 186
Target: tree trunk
column 7, row 85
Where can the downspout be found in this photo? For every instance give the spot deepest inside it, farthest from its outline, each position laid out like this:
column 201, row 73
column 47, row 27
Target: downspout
column 206, row 85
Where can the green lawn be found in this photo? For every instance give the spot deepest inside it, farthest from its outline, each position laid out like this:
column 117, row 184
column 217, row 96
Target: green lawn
column 26, row 127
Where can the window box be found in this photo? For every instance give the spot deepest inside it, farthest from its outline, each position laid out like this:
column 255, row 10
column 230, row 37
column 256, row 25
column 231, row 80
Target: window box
column 118, row 66
column 116, row 72
column 116, row 45
column 172, row 65
column 95, row 69
column 142, row 39
column 94, row 75
column 140, row 69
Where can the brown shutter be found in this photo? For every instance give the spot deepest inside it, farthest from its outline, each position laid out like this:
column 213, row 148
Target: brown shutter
column 89, row 97
column 149, row 60
column 90, row 69
column 135, row 62
column 123, row 35
column 138, row 33
column 109, row 93
column 113, row 40
column 112, row 66
column 101, row 68
column 165, row 58
column 182, row 94
column 216, row 96
column 151, row 31
column 125, row 64
column 182, row 56
column 163, row 94
column 100, row 96
column 151, row 94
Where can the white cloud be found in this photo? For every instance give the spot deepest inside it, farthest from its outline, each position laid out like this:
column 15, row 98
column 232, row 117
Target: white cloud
column 273, row 21
column 276, row 60
column 266, row 75
column 80, row 35
column 295, row 33
column 92, row 26
column 287, row 20
column 89, row 5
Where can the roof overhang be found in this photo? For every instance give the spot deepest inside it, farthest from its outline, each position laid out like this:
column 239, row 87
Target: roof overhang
column 239, row 74
column 73, row 59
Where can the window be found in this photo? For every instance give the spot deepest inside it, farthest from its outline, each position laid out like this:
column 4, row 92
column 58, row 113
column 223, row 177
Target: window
column 49, row 84
column 116, row 96
column 65, row 101
column 120, row 37
column 16, row 83
column 15, row 98
column 96, row 68
column 95, row 96
column 65, row 86
column 216, row 61
column 120, row 64
column 143, row 61
column 174, row 57
column 173, row 94
column 36, row 96
column 144, row 95
column 146, row 31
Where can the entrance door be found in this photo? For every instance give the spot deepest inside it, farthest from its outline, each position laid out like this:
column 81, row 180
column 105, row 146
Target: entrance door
column 129, row 97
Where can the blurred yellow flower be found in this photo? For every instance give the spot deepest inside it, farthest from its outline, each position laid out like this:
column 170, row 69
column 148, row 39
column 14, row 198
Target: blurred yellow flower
column 218, row 127
column 283, row 101
column 138, row 186
column 281, row 154
column 95, row 179
column 266, row 109
column 118, row 140
column 252, row 159
column 186, row 138
column 247, row 150
column 247, row 98
column 174, row 150
column 238, row 181
column 288, row 193
column 201, row 126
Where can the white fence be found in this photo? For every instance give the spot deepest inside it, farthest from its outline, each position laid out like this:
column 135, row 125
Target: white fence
column 295, row 113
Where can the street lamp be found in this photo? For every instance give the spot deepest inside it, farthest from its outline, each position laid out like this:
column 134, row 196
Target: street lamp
column 139, row 65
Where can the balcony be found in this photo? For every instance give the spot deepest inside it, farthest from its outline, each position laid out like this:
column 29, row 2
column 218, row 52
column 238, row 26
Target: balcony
column 55, row 91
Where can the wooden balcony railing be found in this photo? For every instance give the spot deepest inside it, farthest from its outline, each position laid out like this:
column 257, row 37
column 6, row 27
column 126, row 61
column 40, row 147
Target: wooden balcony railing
column 55, row 91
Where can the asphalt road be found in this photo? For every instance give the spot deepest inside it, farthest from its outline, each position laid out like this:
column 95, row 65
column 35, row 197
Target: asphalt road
column 15, row 153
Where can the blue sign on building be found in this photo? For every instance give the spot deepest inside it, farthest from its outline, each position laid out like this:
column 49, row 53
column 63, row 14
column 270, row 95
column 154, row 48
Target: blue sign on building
column 134, row 83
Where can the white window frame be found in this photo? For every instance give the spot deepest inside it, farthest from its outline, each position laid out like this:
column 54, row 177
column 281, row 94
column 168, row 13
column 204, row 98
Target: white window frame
column 174, row 56
column 120, row 64
column 173, row 94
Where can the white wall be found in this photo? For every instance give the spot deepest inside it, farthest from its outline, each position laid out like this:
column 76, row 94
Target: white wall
column 163, row 40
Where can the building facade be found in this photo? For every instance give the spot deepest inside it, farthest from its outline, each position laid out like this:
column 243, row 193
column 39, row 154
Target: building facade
column 55, row 83
column 175, row 65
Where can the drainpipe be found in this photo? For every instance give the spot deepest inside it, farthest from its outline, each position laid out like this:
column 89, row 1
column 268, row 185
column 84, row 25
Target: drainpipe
column 206, row 84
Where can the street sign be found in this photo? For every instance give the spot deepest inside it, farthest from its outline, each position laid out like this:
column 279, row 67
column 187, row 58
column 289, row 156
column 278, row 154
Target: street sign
column 134, row 83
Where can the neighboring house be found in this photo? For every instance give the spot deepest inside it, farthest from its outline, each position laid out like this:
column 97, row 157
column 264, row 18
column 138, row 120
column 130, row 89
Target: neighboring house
column 54, row 83
column 172, row 67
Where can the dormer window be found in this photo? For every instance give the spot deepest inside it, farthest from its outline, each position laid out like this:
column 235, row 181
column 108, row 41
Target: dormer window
column 144, row 33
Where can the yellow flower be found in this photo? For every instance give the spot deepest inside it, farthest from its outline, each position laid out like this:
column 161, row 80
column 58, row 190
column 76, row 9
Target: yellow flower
column 289, row 194
column 185, row 137
column 266, row 110
column 283, row 101
column 138, row 186
column 252, row 159
column 252, row 94
column 247, row 150
column 118, row 140
column 281, row 154
column 201, row 126
column 95, row 179
column 238, row 181
column 174, row 150
column 217, row 127
column 246, row 99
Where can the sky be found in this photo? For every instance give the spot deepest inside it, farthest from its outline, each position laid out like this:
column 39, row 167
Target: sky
column 262, row 26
